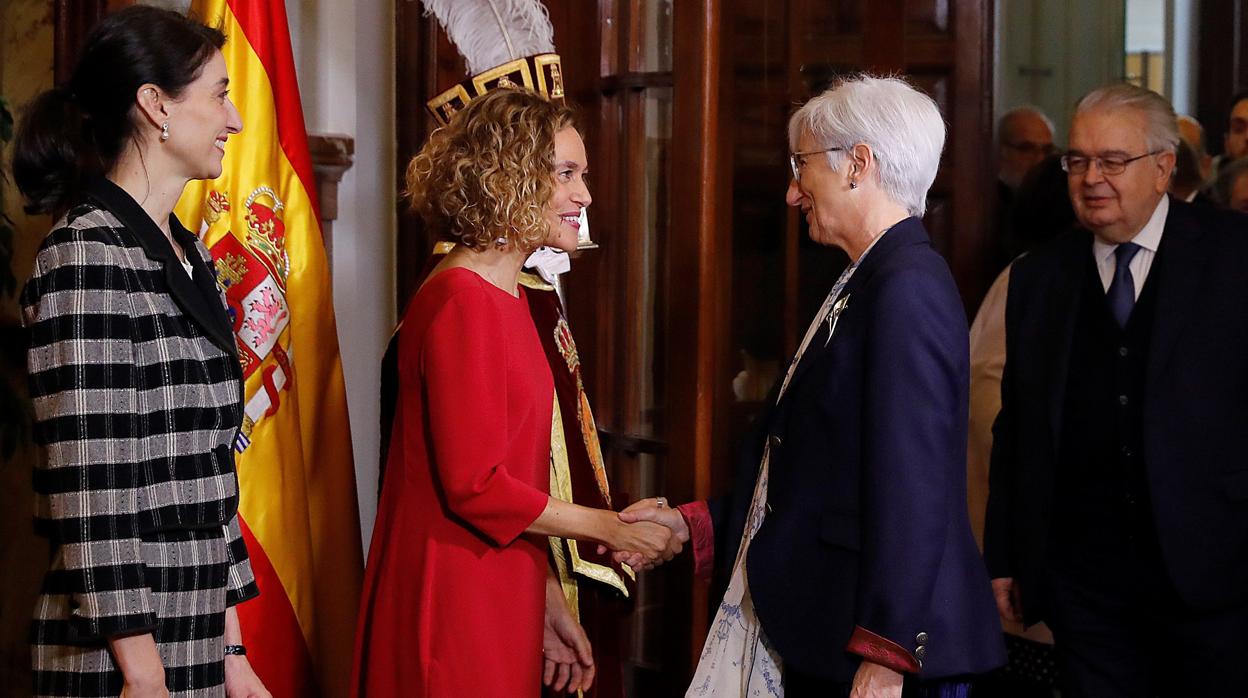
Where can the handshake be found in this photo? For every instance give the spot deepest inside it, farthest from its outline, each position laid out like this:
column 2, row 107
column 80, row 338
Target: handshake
column 643, row 536
column 647, row 534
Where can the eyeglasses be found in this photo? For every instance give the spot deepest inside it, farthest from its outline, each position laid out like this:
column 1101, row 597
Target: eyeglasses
column 798, row 160
column 1078, row 164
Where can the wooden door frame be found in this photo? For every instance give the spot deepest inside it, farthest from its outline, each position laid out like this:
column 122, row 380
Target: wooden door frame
column 72, row 20
column 1223, row 33
column 699, row 252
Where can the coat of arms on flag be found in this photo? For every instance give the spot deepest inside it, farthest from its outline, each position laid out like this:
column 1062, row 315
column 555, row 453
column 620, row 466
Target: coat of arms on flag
column 253, row 269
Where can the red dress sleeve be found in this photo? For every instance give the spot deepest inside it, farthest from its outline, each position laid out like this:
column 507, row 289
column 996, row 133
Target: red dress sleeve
column 701, row 536
column 465, row 366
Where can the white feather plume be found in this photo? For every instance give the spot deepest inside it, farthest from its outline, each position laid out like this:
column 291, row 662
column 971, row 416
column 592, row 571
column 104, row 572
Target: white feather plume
column 492, row 32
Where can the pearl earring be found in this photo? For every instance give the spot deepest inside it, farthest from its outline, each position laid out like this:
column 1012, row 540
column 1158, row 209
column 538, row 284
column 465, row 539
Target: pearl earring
column 164, row 132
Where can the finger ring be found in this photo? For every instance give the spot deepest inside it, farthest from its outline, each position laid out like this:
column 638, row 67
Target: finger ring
column 661, row 502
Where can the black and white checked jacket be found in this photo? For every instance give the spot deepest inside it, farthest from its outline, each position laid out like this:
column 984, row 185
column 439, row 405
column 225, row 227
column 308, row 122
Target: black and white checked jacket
column 137, row 394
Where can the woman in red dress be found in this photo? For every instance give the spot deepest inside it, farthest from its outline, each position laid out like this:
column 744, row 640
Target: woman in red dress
column 456, row 589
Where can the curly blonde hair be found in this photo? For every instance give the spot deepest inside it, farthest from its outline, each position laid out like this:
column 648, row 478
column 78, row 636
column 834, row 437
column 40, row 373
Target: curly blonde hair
column 489, row 174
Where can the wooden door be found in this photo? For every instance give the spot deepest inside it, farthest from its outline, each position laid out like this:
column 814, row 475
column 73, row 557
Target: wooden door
column 1223, row 66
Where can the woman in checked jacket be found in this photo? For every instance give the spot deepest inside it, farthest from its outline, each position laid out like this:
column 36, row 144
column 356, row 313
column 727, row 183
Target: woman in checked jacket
column 134, row 373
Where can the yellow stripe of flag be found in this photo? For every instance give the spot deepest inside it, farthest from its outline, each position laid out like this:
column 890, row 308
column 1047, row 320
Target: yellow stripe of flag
column 295, row 468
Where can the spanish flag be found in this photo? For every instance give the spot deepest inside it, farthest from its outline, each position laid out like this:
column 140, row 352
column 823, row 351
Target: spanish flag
column 261, row 221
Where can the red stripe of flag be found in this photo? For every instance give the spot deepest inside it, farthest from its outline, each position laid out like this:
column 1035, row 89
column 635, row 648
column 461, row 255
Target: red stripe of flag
column 269, row 621
column 264, row 25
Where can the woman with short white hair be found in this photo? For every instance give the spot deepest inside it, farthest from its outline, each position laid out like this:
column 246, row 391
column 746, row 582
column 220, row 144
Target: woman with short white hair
column 895, row 130
column 856, row 572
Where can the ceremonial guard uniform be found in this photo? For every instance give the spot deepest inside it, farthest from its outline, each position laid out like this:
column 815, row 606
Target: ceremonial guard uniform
column 594, row 585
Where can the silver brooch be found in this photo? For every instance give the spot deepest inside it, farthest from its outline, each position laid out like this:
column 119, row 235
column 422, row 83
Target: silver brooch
column 834, row 315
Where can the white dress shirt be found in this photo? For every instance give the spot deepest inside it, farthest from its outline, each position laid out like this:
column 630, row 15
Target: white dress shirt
column 1149, row 238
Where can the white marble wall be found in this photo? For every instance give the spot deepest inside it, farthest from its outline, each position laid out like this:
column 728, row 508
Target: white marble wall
column 344, row 54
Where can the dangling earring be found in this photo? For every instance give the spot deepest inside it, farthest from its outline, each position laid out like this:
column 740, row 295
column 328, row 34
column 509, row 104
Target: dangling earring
column 853, row 184
column 501, row 242
column 164, row 132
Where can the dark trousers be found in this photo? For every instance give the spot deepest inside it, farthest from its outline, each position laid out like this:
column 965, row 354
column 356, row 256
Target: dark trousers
column 797, row 685
column 1130, row 636
column 1030, row 672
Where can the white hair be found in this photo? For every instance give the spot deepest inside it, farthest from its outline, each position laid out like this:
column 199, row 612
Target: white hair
column 1161, row 130
column 902, row 126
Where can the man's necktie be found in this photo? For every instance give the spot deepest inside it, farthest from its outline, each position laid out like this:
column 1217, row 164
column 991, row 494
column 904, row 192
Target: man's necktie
column 1121, row 293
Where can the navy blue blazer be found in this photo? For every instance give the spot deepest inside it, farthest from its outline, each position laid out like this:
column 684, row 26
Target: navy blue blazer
column 1195, row 407
column 867, row 540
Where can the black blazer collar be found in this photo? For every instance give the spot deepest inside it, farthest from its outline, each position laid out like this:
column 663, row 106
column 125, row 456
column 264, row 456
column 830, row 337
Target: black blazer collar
column 908, row 231
column 1074, row 256
column 196, row 294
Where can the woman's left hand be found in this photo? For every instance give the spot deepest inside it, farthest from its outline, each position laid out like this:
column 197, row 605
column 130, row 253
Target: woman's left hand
column 241, row 680
column 567, row 659
column 876, row 681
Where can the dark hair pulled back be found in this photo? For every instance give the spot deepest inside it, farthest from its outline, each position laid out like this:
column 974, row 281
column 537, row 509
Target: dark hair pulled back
column 80, row 129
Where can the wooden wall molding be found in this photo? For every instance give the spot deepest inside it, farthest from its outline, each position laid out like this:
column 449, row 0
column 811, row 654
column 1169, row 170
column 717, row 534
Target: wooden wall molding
column 332, row 155
column 699, row 253
column 73, row 20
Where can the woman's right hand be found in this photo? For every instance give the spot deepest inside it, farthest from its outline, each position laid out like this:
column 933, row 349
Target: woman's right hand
column 140, row 665
column 145, row 687
column 646, row 539
column 644, row 542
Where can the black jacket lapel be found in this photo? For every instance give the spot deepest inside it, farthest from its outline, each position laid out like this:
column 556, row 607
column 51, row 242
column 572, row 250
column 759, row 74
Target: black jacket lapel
column 1067, row 295
column 197, row 297
column 204, row 277
column 1180, row 263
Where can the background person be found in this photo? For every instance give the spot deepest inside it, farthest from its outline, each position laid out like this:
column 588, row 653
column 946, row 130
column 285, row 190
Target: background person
column 1024, row 140
column 1230, row 189
column 1115, row 511
column 1192, row 132
column 1235, row 140
column 1187, row 181
column 1042, row 211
